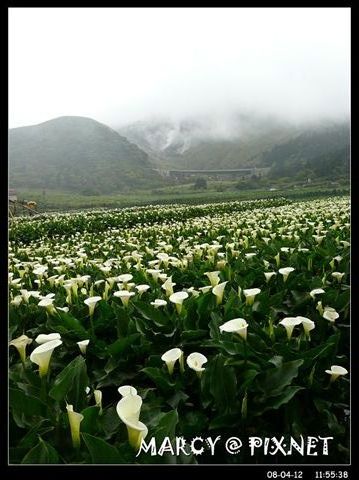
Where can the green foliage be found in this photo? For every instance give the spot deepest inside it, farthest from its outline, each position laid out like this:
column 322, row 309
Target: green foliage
column 263, row 385
column 200, row 183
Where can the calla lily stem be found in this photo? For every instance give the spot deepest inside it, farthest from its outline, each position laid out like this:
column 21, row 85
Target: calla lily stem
column 43, row 391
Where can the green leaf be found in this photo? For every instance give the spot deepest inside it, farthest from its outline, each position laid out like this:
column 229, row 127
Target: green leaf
column 25, row 404
column 151, row 313
column 89, row 422
column 71, row 383
column 274, row 403
column 223, row 383
column 159, row 377
column 193, row 335
column 109, row 421
column 227, row 421
column 166, row 426
column 192, row 423
column 122, row 345
column 42, row 453
column 70, row 323
column 101, row 451
column 274, row 380
column 31, row 436
column 177, row 398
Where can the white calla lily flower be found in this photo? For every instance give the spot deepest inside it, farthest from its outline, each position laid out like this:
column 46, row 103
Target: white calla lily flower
column 316, row 291
column 83, row 345
column 125, row 278
column 168, row 286
column 338, row 276
column 218, row 291
column 42, row 355
column 177, row 298
column 43, row 338
column 159, row 302
column 91, row 303
column 269, row 275
column 237, row 325
column 205, row 289
column 308, row 325
column 285, row 272
column 195, row 361
column 63, row 309
column 170, row 358
column 125, row 296
column 128, row 409
column 250, row 294
column 330, row 314
column 125, row 390
column 75, row 420
column 213, row 278
column 20, row 343
column 289, row 323
column 142, row 288
column 336, row 371
column 47, row 303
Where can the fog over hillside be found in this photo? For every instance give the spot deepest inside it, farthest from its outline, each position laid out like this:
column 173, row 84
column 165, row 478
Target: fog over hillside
column 120, row 66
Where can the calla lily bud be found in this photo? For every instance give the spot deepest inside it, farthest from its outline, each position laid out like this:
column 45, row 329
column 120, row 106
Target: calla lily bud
column 20, row 344
column 75, row 420
column 42, row 355
column 320, row 308
column 277, row 259
column 98, row 399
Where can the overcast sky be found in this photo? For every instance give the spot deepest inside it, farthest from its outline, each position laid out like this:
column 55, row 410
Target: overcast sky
column 120, row 65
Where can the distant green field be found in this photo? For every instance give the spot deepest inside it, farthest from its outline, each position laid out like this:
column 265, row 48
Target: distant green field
column 216, row 191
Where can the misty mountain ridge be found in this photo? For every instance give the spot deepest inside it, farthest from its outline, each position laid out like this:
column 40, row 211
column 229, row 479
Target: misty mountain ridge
column 238, row 141
column 76, row 154
column 79, row 154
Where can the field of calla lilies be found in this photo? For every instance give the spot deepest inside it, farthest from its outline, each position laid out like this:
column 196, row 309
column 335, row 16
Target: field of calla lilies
column 179, row 322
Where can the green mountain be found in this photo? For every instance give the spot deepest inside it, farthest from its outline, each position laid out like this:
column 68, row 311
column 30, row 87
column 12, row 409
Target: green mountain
column 77, row 154
column 323, row 152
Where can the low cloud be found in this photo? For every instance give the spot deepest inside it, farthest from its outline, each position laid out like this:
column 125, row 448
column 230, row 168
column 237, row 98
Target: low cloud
column 123, row 65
